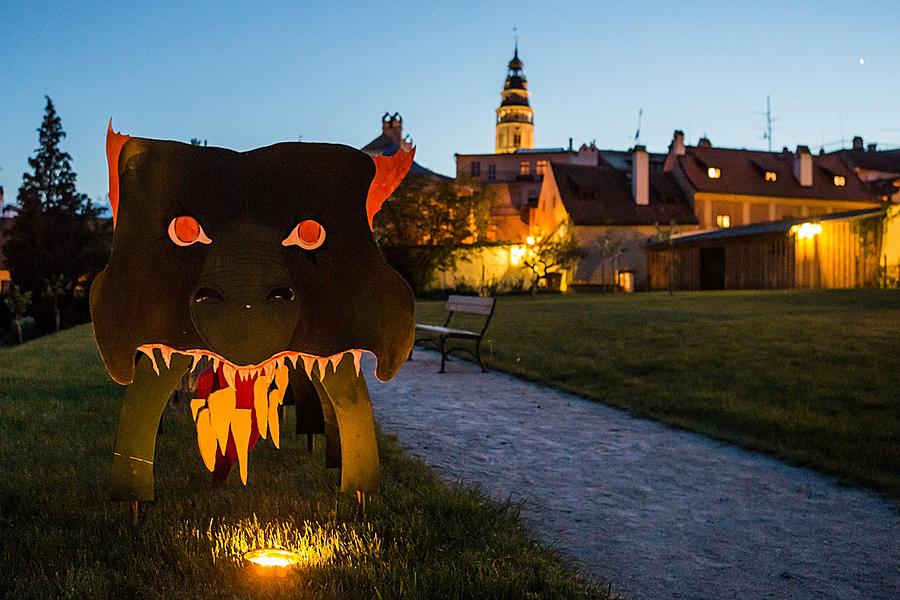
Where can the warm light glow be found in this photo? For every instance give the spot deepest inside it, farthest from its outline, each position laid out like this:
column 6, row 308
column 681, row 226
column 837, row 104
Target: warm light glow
column 272, row 560
column 714, row 172
column 840, row 181
column 530, row 240
column 806, row 230
column 723, row 221
column 515, row 255
column 771, row 176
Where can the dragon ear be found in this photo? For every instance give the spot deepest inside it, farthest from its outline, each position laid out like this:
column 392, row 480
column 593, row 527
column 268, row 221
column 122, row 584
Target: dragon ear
column 389, row 172
column 114, row 143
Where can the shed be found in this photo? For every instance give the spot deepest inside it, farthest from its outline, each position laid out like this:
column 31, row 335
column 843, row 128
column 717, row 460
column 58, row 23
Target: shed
column 840, row 250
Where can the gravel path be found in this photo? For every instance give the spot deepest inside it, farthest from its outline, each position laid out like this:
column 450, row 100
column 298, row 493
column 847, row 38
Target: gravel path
column 659, row 512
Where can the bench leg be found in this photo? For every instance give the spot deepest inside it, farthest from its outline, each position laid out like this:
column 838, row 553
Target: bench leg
column 478, row 355
column 443, row 353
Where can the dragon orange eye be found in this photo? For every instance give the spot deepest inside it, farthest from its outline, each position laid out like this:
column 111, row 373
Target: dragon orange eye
column 308, row 234
column 184, row 231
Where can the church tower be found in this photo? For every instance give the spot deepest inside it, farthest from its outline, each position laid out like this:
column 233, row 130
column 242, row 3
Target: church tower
column 515, row 118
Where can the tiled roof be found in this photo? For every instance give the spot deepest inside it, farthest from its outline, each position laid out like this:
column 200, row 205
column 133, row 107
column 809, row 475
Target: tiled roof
column 602, row 196
column 743, row 173
column 385, row 146
column 887, row 161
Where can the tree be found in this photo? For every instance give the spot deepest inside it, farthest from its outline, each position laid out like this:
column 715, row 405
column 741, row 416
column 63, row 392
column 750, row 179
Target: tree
column 608, row 247
column 56, row 230
column 553, row 253
column 425, row 223
column 54, row 289
column 18, row 304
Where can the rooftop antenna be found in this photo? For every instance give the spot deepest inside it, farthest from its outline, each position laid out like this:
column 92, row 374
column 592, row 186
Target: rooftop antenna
column 516, row 41
column 637, row 133
column 770, row 121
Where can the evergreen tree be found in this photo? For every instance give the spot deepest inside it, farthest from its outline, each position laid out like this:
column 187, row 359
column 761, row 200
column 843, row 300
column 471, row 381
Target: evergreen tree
column 56, row 230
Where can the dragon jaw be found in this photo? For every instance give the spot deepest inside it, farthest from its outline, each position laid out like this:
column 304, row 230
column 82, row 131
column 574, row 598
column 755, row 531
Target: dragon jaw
column 233, row 372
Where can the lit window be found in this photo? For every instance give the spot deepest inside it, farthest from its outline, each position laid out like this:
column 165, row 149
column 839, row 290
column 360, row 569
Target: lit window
column 541, row 167
column 806, row 231
column 524, row 168
column 475, row 168
column 714, row 172
column 492, row 172
column 723, row 221
column 840, row 181
column 771, row 176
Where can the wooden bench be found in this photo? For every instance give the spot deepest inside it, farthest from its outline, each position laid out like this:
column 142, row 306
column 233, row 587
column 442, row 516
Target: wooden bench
column 472, row 305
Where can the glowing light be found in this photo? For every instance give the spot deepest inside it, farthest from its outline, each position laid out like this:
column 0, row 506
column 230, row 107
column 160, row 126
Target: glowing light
column 862, row 61
column 515, row 255
column 723, row 221
column 840, row 180
column 530, row 240
column 806, row 230
column 714, row 172
column 771, row 176
column 272, row 561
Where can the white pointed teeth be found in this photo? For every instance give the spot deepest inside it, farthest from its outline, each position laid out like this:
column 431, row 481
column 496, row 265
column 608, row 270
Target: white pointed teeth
column 308, row 362
column 228, row 372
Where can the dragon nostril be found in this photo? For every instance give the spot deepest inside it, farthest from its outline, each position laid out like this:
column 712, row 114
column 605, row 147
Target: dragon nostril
column 206, row 294
column 281, row 293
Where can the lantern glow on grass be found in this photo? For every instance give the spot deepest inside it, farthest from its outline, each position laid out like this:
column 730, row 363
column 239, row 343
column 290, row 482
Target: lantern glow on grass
column 281, row 547
column 272, row 561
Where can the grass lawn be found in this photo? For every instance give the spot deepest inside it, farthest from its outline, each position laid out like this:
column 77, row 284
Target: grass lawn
column 60, row 537
column 812, row 377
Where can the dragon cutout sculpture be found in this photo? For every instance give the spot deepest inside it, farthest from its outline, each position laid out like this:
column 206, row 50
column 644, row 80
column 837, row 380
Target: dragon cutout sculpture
column 256, row 272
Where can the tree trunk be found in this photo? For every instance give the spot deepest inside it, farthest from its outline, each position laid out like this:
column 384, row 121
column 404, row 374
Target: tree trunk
column 56, row 312
column 19, row 329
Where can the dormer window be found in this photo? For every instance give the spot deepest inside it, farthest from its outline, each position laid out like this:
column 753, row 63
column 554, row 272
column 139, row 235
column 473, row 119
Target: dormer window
column 771, row 176
column 714, row 172
column 723, row 221
column 840, row 181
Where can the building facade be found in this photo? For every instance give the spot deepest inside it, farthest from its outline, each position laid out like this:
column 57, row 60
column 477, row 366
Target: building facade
column 731, row 187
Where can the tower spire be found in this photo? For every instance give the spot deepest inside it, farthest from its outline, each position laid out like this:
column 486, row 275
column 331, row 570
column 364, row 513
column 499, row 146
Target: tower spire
column 515, row 117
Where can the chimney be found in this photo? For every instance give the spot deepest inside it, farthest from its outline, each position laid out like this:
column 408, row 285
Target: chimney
column 392, row 127
column 640, row 176
column 803, row 167
column 704, row 142
column 676, row 149
column 869, row 148
column 857, row 142
column 570, row 144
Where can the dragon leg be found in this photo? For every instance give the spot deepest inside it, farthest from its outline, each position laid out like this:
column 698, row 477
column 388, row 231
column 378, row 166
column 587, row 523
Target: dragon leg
column 143, row 404
column 345, row 393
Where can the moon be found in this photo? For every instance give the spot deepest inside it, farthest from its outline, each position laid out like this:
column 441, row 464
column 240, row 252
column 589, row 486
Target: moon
column 862, row 61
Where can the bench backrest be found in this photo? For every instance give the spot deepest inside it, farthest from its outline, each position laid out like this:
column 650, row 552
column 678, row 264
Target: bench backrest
column 475, row 305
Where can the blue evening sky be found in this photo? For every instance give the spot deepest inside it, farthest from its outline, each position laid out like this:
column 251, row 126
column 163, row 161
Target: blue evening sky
column 256, row 73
